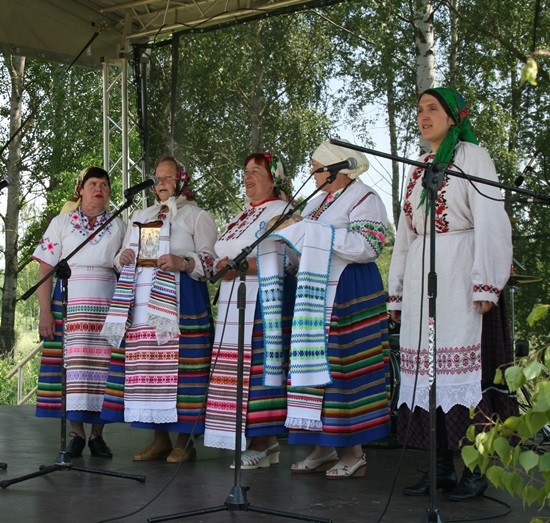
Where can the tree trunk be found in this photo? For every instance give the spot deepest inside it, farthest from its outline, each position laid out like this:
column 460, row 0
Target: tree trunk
column 424, row 44
column 392, row 127
column 257, row 101
column 16, row 67
column 453, row 48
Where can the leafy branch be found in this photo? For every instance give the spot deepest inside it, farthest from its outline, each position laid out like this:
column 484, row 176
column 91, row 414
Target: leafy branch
column 507, row 451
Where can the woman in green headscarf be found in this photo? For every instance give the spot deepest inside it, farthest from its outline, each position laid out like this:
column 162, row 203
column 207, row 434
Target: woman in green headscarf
column 473, row 259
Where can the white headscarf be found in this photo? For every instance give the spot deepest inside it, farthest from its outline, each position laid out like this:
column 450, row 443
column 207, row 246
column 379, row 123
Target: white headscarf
column 328, row 153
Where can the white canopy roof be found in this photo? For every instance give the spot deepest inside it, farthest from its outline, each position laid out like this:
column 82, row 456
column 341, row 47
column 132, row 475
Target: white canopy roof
column 58, row 30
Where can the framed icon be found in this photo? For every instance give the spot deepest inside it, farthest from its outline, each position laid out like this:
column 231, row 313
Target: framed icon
column 149, row 241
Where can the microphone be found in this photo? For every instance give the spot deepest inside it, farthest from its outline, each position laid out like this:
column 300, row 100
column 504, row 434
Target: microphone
column 530, row 200
column 350, row 163
column 8, row 180
column 132, row 191
column 528, row 168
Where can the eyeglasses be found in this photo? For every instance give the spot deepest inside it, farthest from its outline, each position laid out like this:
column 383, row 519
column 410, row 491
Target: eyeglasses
column 166, row 179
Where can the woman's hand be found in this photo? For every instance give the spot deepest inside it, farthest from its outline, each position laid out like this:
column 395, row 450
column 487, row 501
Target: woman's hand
column 46, row 325
column 127, row 257
column 172, row 263
column 230, row 274
column 395, row 316
column 483, row 307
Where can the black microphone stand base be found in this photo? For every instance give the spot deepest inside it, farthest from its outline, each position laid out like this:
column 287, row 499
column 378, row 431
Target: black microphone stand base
column 64, row 463
column 432, row 516
column 236, row 501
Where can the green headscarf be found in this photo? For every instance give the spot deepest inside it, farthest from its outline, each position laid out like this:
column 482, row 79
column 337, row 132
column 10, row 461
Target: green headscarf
column 455, row 107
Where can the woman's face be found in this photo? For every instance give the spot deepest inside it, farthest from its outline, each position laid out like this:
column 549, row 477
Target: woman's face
column 95, row 192
column 258, row 183
column 433, row 121
column 166, row 172
column 320, row 178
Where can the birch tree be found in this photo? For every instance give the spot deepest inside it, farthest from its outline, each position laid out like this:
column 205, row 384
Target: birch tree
column 16, row 68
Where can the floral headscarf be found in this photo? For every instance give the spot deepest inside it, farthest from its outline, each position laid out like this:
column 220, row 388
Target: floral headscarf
column 278, row 172
column 455, row 107
column 183, row 181
column 89, row 172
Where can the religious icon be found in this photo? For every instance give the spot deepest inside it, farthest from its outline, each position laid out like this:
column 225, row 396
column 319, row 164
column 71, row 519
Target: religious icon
column 149, row 241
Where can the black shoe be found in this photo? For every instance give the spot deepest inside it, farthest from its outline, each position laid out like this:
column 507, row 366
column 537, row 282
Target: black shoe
column 446, row 476
column 446, row 482
column 76, row 446
column 472, row 485
column 99, row 448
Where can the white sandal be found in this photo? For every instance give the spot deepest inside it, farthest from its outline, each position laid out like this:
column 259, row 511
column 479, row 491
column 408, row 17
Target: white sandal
column 256, row 459
column 349, row 471
column 307, row 466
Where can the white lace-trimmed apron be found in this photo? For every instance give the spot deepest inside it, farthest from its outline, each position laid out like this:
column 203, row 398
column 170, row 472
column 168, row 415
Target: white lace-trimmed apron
column 458, row 366
column 149, row 296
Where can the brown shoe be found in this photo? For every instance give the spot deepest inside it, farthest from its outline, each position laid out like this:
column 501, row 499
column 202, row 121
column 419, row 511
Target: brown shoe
column 150, row 454
column 178, row 455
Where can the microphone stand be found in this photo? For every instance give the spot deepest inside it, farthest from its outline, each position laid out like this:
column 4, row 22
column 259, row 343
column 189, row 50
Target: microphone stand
column 237, row 500
column 433, row 179
column 63, row 461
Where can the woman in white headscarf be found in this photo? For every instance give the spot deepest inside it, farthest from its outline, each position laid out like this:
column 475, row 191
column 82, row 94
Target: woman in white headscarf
column 338, row 394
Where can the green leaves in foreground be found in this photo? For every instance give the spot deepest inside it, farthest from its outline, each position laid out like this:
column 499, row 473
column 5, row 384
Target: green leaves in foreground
column 507, row 451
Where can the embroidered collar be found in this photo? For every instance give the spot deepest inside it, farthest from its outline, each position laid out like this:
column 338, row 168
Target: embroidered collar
column 81, row 223
column 263, row 202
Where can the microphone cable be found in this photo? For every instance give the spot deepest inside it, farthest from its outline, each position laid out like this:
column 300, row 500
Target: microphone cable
column 418, row 348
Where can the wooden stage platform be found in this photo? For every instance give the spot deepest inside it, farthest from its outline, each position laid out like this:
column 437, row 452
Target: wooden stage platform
column 73, row 496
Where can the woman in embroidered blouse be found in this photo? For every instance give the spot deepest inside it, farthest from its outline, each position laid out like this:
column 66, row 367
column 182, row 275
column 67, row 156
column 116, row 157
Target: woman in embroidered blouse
column 264, row 409
column 338, row 394
column 473, row 259
column 90, row 289
column 158, row 380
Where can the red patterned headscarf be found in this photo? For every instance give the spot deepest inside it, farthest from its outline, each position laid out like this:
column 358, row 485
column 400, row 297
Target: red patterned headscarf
column 183, row 181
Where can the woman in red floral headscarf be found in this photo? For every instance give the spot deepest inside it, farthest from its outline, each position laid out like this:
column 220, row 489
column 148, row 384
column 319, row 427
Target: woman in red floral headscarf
column 267, row 190
column 161, row 310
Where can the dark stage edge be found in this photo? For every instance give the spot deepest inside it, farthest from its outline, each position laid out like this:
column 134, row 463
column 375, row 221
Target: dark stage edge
column 26, row 442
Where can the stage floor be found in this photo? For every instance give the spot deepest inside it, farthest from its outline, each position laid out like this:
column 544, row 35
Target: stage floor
column 74, row 496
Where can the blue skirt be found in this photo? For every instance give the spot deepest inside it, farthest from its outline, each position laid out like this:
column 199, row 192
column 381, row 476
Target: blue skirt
column 356, row 407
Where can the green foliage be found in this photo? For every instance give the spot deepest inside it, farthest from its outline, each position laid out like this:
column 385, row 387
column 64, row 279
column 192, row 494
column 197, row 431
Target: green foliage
column 508, row 451
column 529, row 72
column 8, row 392
column 267, row 93
column 8, row 387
